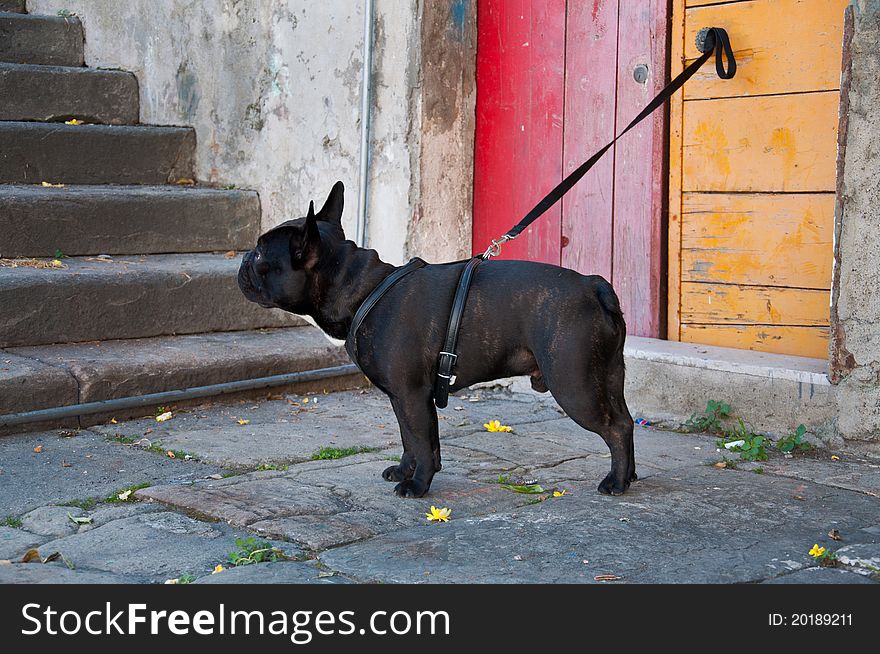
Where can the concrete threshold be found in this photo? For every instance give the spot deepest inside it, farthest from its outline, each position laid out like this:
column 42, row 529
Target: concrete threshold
column 668, row 381
column 772, row 393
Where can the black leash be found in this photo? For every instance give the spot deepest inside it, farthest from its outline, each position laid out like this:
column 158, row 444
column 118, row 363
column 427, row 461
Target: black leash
column 710, row 40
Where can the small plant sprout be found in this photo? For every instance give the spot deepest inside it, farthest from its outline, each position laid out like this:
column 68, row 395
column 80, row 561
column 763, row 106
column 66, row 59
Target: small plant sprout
column 710, row 419
column 794, row 441
column 824, row 556
column 251, row 551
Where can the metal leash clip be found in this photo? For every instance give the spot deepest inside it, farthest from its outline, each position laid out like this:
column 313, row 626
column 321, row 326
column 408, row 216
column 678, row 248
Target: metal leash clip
column 495, row 249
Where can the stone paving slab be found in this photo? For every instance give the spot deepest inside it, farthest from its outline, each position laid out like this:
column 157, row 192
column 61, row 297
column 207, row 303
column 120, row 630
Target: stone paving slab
column 277, row 431
column 56, row 573
column 97, row 468
column 289, row 430
column 15, row 542
column 714, row 526
column 850, row 472
column 327, row 506
column 153, row 546
column 279, row 572
column 820, row 576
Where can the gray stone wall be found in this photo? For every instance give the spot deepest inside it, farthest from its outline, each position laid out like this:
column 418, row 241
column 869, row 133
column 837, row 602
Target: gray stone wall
column 855, row 351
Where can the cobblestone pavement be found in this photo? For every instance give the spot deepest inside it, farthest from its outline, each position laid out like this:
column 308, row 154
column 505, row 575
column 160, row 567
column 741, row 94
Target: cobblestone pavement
column 214, row 476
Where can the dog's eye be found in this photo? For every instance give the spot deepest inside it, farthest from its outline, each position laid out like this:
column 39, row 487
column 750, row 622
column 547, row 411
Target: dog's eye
column 262, row 267
column 297, row 254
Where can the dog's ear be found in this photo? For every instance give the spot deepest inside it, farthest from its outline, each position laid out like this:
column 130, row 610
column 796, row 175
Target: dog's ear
column 305, row 242
column 331, row 212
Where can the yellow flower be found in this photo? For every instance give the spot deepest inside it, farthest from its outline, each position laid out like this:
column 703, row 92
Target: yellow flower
column 56, row 263
column 113, row 421
column 495, row 425
column 438, row 515
column 73, row 121
column 218, row 568
column 306, row 401
column 242, row 421
column 162, row 417
column 834, row 457
column 560, row 493
column 817, row 551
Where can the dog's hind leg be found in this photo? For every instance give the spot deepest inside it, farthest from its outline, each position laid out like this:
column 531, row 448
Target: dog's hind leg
column 594, row 400
column 417, row 417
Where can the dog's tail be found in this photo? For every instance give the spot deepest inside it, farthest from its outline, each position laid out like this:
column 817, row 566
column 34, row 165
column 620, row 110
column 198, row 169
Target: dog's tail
column 608, row 300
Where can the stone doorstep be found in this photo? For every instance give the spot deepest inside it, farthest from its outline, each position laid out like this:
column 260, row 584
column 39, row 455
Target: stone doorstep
column 59, row 375
column 95, row 154
column 56, row 93
column 128, row 297
column 49, row 40
column 121, row 220
column 16, row 6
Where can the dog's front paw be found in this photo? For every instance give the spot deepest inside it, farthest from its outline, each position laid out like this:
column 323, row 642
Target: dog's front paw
column 396, row 473
column 610, row 486
column 410, row 488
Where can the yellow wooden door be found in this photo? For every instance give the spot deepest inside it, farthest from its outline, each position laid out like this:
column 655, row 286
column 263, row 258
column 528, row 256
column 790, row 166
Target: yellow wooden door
column 752, row 176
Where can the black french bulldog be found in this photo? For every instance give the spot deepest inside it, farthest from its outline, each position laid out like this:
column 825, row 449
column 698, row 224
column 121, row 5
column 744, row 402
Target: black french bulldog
column 564, row 329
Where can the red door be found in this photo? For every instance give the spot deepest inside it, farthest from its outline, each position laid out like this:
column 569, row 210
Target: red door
column 555, row 79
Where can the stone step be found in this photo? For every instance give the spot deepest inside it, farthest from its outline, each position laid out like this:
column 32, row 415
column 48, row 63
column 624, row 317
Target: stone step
column 12, row 5
column 89, row 220
column 58, row 93
column 49, row 40
column 32, row 153
column 129, row 297
column 34, row 378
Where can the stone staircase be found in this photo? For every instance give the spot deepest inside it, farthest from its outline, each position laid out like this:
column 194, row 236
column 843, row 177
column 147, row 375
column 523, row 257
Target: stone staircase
column 145, row 298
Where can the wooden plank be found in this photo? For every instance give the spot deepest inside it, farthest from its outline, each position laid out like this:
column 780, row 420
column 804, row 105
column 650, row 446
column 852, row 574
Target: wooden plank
column 640, row 168
column 798, row 341
column 759, row 305
column 518, row 148
column 590, row 100
column 769, row 239
column 700, row 3
column 800, row 54
column 772, row 143
column 676, row 117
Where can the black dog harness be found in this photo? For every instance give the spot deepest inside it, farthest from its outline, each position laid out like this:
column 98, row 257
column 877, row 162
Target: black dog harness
column 374, row 297
column 710, row 40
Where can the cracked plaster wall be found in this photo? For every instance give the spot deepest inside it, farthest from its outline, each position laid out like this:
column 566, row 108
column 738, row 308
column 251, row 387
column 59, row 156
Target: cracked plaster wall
column 855, row 351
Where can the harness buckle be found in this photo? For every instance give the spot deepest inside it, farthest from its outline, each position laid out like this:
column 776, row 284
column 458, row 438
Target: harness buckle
column 495, row 249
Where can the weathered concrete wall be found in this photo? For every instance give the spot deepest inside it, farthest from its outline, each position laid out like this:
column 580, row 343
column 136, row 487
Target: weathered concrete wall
column 856, row 302
column 441, row 226
column 273, row 91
